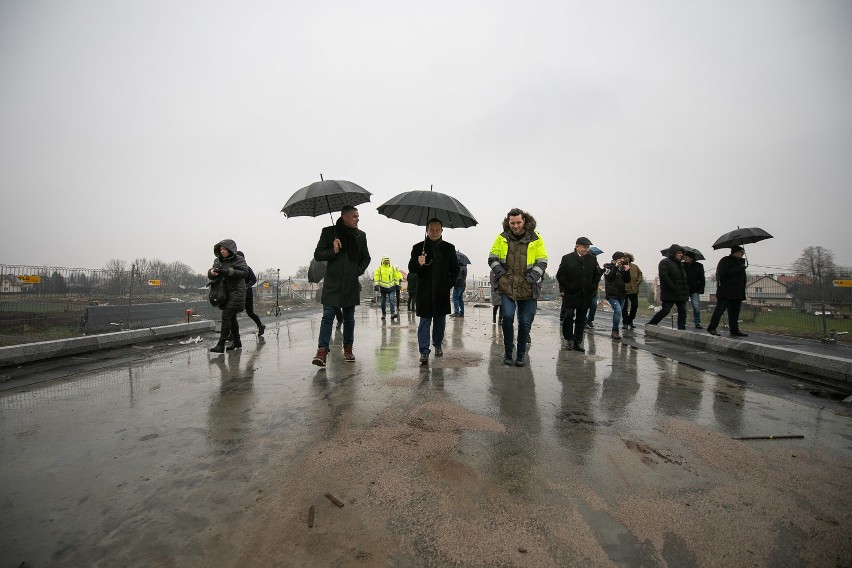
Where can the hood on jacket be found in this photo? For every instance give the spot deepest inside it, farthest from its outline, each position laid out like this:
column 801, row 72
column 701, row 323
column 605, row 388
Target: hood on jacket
column 672, row 250
column 385, row 258
column 529, row 226
column 228, row 244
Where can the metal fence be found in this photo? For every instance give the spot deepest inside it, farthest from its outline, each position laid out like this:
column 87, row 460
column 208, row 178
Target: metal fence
column 44, row 303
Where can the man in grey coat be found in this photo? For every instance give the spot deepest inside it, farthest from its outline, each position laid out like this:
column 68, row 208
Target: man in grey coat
column 344, row 248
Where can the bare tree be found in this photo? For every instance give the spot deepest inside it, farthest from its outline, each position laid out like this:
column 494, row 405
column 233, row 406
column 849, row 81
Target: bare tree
column 302, row 272
column 816, row 262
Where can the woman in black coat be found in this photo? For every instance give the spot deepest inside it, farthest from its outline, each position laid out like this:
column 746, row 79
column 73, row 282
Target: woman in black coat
column 674, row 291
column 436, row 266
column 234, row 270
column 730, row 291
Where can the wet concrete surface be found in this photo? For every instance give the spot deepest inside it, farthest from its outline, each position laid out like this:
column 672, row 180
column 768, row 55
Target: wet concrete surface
column 171, row 456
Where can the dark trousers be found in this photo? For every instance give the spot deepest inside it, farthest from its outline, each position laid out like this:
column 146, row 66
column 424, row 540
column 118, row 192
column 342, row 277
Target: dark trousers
column 667, row 307
column 733, row 307
column 230, row 325
column 250, row 307
column 573, row 324
column 631, row 304
column 412, row 297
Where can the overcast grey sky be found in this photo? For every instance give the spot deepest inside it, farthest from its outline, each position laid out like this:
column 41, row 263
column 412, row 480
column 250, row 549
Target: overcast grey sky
column 156, row 128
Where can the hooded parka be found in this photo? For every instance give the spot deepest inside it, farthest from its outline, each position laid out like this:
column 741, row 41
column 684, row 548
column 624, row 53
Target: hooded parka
column 673, row 286
column 518, row 264
column 341, row 288
column 234, row 270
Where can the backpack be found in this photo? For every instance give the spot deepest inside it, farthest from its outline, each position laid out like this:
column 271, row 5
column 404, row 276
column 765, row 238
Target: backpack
column 218, row 294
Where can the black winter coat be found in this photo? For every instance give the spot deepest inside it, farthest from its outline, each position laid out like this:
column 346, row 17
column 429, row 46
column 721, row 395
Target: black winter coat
column 578, row 278
column 673, row 286
column 341, row 288
column 435, row 278
column 615, row 281
column 694, row 277
column 234, row 270
column 731, row 278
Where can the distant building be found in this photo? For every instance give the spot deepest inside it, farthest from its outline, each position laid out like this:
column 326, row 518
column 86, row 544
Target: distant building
column 9, row 284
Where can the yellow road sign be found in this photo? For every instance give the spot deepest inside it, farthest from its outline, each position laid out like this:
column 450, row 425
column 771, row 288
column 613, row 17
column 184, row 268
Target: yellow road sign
column 265, row 284
column 154, row 282
column 842, row 283
column 29, row 279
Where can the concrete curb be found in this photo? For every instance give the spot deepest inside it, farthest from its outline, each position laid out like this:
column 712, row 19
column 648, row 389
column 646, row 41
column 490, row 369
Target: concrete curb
column 29, row 352
column 835, row 368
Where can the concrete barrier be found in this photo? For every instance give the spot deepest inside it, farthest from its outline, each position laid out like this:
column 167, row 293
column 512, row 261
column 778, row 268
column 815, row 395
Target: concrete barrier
column 826, row 366
column 29, row 352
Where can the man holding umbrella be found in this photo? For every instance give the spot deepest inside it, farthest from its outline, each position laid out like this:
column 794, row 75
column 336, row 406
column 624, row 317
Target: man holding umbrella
column 674, row 291
column 518, row 260
column 730, row 291
column 695, row 280
column 435, row 263
column 344, row 247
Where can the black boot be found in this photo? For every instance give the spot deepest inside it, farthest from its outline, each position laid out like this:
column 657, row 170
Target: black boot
column 519, row 362
column 507, row 358
column 219, row 347
column 237, row 344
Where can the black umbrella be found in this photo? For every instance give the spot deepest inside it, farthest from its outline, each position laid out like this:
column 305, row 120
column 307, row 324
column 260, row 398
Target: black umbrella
column 741, row 237
column 672, row 249
column 325, row 196
column 463, row 259
column 417, row 207
column 695, row 253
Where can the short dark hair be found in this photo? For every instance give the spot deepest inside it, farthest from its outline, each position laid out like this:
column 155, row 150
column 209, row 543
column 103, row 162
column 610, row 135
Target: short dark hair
column 347, row 209
column 435, row 220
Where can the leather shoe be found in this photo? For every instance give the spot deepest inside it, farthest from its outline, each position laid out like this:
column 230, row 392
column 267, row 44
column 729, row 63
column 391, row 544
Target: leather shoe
column 712, row 332
column 439, row 352
column 738, row 334
column 579, row 348
column 424, row 358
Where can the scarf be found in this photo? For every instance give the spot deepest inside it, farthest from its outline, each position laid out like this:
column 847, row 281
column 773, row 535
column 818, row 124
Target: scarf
column 348, row 240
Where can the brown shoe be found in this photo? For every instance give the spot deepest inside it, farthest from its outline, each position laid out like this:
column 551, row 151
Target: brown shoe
column 348, row 356
column 615, row 334
column 319, row 358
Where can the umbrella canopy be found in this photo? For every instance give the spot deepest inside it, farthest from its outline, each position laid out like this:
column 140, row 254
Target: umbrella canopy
column 417, row 207
column 672, row 249
column 463, row 259
column 325, row 196
column 595, row 251
column 695, row 253
column 741, row 237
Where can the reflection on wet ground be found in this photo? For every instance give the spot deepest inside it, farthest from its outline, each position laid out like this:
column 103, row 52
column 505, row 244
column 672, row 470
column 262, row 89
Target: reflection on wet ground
column 610, row 456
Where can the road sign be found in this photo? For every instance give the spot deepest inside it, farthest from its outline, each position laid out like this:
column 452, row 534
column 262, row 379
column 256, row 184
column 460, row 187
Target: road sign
column 842, row 283
column 265, row 284
column 29, row 279
column 154, row 282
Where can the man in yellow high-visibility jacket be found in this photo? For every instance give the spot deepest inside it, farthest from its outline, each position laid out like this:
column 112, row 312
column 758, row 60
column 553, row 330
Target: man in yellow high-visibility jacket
column 385, row 280
column 518, row 260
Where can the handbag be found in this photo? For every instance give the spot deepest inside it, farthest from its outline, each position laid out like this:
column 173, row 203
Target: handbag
column 316, row 270
column 218, row 293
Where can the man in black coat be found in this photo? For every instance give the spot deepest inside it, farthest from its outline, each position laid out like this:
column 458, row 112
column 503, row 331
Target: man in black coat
column 674, row 290
column 730, row 291
column 695, row 281
column 437, row 267
column 579, row 275
column 344, row 247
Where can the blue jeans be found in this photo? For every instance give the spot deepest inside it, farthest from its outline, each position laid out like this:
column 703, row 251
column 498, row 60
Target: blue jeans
column 328, row 313
column 388, row 294
column 526, row 313
column 590, row 318
column 437, row 325
column 458, row 300
column 617, row 308
column 694, row 299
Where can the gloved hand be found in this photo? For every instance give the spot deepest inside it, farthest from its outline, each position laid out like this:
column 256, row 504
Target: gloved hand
column 376, row 287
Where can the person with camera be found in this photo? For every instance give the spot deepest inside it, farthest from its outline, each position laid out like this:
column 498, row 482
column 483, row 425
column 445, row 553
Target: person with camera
column 674, row 289
column 233, row 270
column 616, row 277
